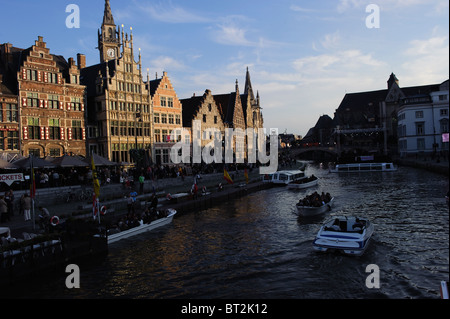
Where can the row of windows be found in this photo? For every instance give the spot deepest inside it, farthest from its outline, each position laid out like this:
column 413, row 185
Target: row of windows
column 167, row 118
column 129, row 87
column 53, row 102
column 9, row 140
column 9, row 113
column 420, row 114
column 420, row 128
column 130, row 128
column 420, row 145
column 48, row 77
column 130, row 107
column 166, row 101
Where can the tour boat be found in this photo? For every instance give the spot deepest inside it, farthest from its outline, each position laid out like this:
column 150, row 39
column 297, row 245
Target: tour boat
column 350, row 235
column 143, row 227
column 284, row 177
column 304, row 183
column 307, row 211
column 363, row 167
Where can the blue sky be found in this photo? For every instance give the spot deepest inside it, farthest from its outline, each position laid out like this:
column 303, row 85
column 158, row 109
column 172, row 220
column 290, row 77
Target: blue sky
column 303, row 56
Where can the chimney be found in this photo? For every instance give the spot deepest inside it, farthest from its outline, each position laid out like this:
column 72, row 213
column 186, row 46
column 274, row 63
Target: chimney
column 71, row 62
column 81, row 59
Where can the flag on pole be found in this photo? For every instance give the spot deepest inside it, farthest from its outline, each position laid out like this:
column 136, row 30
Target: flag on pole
column 227, row 176
column 246, row 175
column 96, row 195
column 32, row 184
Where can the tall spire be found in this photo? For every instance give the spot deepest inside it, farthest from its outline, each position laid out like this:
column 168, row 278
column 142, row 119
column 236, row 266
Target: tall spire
column 107, row 16
column 248, row 86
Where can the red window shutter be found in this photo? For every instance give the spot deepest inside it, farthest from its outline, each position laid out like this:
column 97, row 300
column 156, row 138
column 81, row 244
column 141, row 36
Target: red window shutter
column 24, row 74
column 62, row 133
column 47, row 135
column 39, row 76
column 41, row 103
column 59, row 79
column 45, row 77
column 69, row 133
column 42, row 133
column 61, row 105
column 82, row 107
column 68, row 106
column 25, row 132
column 24, row 101
column 84, row 133
column 46, row 104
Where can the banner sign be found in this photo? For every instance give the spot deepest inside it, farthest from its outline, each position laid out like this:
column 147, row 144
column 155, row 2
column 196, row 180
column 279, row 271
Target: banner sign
column 11, row 178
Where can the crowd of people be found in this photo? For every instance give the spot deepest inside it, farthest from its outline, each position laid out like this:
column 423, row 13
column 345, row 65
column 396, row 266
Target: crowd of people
column 315, row 200
column 134, row 219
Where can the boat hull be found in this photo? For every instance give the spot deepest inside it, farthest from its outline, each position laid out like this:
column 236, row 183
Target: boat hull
column 297, row 185
column 348, row 242
column 142, row 228
column 313, row 211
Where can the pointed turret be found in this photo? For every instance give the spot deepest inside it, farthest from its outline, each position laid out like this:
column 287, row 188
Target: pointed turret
column 107, row 16
column 248, row 90
column 392, row 79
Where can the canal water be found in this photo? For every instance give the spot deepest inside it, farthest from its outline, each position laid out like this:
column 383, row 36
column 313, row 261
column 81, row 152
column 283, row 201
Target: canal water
column 257, row 247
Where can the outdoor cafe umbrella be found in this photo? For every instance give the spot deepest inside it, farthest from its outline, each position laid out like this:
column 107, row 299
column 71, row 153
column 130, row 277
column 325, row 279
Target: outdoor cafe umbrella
column 37, row 163
column 69, row 161
column 99, row 161
column 7, row 165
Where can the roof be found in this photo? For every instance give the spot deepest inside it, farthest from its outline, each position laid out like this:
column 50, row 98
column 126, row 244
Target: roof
column 89, row 75
column 190, row 108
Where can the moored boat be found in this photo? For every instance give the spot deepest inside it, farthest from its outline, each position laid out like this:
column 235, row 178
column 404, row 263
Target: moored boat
column 304, row 182
column 113, row 237
column 363, row 167
column 349, row 235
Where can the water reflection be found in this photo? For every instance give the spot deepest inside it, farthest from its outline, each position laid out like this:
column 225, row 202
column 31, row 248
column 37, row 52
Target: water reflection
column 258, row 246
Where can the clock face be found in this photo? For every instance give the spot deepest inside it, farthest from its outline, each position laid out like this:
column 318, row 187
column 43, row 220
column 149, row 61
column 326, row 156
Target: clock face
column 111, row 53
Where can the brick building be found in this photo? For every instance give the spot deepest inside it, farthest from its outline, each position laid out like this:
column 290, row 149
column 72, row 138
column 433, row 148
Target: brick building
column 119, row 104
column 46, row 117
column 167, row 116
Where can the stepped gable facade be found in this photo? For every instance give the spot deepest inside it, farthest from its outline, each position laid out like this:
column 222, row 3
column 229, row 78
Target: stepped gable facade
column 42, row 104
column 167, row 116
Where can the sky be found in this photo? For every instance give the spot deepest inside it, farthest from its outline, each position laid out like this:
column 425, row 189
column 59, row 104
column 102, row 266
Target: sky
column 303, row 56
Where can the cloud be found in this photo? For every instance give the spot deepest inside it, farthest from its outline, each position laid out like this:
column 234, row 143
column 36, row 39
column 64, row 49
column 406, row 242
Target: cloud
column 230, row 32
column 166, row 63
column 301, row 9
column 426, row 60
column 169, row 13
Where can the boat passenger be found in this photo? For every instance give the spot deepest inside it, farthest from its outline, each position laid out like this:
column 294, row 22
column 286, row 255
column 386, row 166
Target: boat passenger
column 336, row 225
column 358, row 224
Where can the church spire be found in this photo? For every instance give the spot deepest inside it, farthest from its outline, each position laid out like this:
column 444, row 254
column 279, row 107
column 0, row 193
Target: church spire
column 107, row 16
column 248, row 86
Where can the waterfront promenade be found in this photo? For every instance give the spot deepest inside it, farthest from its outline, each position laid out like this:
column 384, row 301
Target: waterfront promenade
column 114, row 197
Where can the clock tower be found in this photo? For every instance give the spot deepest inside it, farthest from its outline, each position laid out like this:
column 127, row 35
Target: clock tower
column 108, row 36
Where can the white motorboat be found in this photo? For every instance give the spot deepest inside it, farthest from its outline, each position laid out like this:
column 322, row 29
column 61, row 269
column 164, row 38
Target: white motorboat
column 142, row 227
column 307, row 211
column 350, row 235
column 284, row 177
column 363, row 167
column 304, row 183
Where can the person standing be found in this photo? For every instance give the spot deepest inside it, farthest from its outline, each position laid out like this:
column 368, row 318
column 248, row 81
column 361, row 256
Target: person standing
column 141, row 183
column 26, row 204
column 9, row 199
column 3, row 210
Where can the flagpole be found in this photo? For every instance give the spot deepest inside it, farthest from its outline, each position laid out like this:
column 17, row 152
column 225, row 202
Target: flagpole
column 32, row 190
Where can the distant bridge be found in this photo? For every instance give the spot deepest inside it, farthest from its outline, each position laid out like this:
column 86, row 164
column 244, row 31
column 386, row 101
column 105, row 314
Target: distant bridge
column 319, row 153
